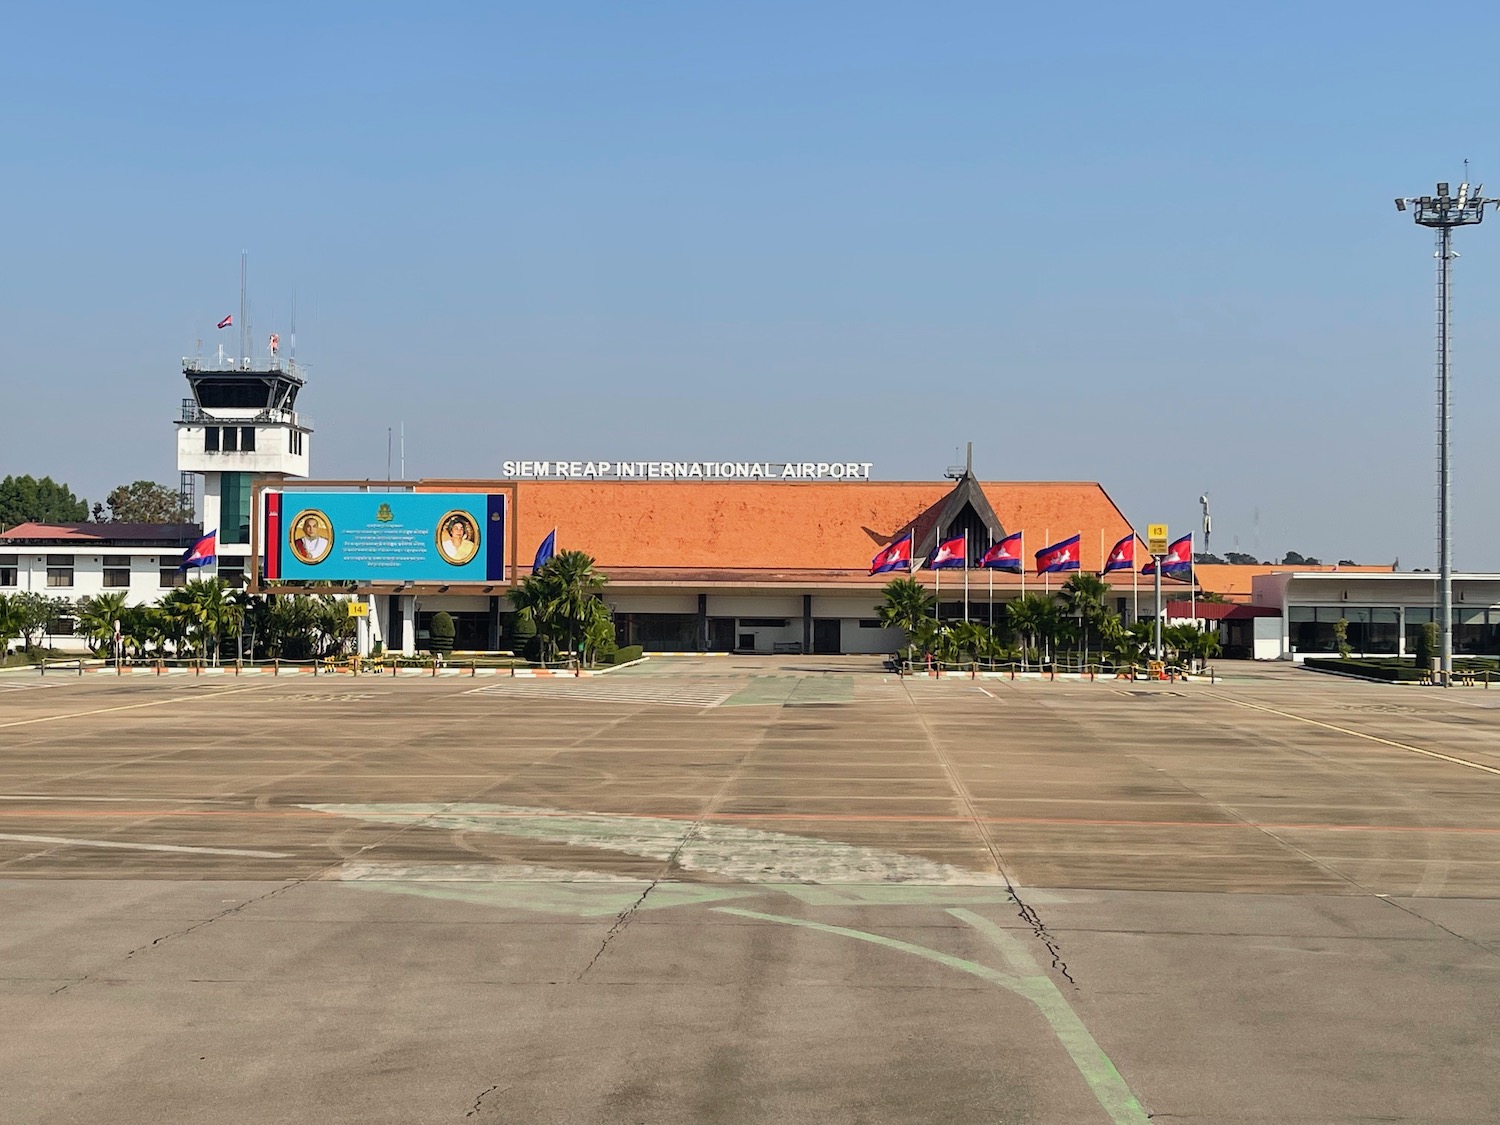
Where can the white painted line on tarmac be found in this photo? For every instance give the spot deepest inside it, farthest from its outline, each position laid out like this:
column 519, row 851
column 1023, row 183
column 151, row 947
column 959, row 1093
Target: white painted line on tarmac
column 129, row 707
column 984, row 692
column 70, row 841
column 1359, row 734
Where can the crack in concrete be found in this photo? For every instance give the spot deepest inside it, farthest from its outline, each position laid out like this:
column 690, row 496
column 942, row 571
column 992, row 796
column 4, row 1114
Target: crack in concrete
column 1029, row 915
column 479, row 1101
column 1024, row 911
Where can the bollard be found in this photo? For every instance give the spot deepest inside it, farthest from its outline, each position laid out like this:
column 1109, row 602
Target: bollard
column 80, row 665
column 276, row 667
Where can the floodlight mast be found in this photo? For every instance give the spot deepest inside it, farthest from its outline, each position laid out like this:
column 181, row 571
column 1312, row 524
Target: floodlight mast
column 1445, row 212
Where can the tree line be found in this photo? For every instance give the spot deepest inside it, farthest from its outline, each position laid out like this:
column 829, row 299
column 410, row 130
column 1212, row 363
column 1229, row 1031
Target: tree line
column 1037, row 629
column 27, row 499
column 206, row 619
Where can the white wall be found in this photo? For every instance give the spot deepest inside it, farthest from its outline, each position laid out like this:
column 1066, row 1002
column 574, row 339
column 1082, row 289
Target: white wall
column 1267, row 638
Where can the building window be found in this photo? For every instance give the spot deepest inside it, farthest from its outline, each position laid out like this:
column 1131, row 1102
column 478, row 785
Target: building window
column 234, row 507
column 61, row 627
column 9, row 567
column 870, row 623
column 211, row 439
column 171, row 576
column 231, row 439
column 247, row 439
column 116, row 571
column 764, row 623
column 232, row 571
column 59, row 570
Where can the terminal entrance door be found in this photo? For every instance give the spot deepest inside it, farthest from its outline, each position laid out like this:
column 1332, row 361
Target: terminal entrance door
column 828, row 635
column 721, row 634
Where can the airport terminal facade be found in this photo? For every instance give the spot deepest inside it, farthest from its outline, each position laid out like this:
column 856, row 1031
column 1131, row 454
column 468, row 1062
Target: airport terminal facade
column 717, row 555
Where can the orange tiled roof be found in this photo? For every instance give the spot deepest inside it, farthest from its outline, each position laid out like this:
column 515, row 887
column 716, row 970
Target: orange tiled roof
column 775, row 526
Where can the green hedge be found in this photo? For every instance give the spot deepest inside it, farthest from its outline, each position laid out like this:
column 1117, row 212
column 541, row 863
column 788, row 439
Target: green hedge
column 626, row 655
column 1390, row 671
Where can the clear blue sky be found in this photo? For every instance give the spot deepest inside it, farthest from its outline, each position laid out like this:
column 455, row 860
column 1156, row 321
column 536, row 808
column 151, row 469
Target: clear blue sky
column 1151, row 245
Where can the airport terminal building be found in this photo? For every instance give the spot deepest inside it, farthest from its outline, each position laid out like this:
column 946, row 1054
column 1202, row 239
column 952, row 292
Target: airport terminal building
column 751, row 557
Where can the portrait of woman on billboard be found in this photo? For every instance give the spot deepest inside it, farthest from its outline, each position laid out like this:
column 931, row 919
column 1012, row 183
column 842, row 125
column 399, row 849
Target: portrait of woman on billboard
column 458, row 537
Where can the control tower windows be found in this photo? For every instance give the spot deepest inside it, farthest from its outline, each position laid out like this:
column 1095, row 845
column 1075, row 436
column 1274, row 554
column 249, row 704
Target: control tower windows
column 234, row 507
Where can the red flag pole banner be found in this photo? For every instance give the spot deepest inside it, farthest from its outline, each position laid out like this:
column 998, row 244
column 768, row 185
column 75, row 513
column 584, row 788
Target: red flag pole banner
column 896, row 556
column 226, row 322
column 1061, row 556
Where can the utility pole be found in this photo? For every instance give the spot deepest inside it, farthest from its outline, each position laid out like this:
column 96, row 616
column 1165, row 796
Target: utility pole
column 1444, row 212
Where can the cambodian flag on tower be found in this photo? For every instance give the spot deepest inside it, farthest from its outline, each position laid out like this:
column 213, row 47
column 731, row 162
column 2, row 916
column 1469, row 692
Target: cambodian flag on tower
column 950, row 552
column 897, row 556
column 1177, row 561
column 1121, row 556
column 202, row 553
column 1058, row 557
column 1004, row 555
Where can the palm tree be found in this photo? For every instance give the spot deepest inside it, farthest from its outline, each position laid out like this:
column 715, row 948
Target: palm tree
column 909, row 606
column 560, row 599
column 1082, row 598
column 209, row 613
column 96, row 617
column 1035, row 618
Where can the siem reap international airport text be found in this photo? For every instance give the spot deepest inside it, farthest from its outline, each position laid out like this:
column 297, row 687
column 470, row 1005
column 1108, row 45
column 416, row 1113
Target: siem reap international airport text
column 690, row 470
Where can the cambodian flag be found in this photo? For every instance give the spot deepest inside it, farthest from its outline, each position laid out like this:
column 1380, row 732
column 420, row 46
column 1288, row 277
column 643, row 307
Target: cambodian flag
column 1121, row 556
column 897, row 556
column 1004, row 555
column 1058, row 557
column 1178, row 559
column 950, row 552
column 202, row 553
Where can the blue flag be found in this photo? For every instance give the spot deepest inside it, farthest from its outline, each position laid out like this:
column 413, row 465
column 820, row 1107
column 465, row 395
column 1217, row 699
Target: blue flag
column 545, row 551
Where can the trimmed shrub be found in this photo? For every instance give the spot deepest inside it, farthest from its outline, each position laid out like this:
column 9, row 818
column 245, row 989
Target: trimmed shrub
column 625, row 655
column 1426, row 644
column 440, row 632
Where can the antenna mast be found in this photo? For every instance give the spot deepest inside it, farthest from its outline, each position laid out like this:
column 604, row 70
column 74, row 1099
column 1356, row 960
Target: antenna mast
column 244, row 327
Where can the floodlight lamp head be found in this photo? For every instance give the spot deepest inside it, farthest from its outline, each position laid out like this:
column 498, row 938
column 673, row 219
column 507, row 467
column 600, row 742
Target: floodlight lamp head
column 1400, row 204
column 1442, row 190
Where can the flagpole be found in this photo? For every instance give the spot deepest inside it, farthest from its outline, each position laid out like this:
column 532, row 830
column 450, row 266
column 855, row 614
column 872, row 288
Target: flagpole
column 1023, row 562
column 1135, row 582
column 990, row 540
column 1047, row 574
column 1192, row 583
column 966, row 576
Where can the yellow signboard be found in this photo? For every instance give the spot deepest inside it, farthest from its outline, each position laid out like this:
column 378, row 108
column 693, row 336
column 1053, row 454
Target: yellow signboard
column 359, row 609
column 1156, row 538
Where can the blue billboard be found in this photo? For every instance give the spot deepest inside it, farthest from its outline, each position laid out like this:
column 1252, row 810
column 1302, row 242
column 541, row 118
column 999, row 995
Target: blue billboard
column 385, row 536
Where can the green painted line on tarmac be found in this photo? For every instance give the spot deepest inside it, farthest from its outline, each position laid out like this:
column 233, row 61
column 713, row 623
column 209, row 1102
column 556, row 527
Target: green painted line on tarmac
column 1094, row 1066
column 893, row 894
column 1097, row 1068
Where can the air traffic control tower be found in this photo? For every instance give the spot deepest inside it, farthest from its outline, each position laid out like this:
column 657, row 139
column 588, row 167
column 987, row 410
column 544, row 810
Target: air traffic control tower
column 240, row 423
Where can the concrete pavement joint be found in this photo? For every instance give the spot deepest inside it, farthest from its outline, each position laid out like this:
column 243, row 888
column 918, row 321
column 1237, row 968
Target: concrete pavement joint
column 1026, row 913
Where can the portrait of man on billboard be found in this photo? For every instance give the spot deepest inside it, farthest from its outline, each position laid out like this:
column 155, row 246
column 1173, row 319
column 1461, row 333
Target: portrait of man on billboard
column 458, row 537
column 311, row 536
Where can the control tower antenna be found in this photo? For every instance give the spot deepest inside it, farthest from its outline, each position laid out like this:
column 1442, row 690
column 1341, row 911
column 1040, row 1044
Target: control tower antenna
column 244, row 323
